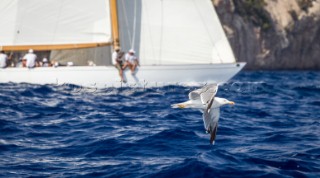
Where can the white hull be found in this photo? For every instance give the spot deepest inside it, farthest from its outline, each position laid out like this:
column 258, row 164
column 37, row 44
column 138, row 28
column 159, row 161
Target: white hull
column 107, row 76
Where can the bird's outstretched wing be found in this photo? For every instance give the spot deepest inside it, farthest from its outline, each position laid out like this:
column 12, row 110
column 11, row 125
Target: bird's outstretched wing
column 195, row 95
column 210, row 120
column 208, row 93
column 205, row 93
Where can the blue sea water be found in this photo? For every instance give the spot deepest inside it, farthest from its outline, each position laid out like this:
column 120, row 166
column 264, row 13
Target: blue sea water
column 61, row 131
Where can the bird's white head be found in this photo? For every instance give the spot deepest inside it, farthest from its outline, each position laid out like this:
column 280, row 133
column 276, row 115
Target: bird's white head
column 223, row 101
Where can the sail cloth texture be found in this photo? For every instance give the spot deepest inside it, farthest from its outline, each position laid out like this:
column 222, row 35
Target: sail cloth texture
column 54, row 22
column 100, row 56
column 173, row 32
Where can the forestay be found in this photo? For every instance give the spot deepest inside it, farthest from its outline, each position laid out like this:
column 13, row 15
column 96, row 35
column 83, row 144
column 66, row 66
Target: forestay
column 54, row 22
column 173, row 32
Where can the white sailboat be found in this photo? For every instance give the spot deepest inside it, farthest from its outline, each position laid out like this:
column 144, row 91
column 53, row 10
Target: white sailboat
column 177, row 41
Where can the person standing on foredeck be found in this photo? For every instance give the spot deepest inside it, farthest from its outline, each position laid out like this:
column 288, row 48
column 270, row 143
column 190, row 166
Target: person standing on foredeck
column 131, row 61
column 30, row 58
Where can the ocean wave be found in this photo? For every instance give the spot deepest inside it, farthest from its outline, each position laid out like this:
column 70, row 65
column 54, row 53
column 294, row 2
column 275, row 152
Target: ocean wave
column 67, row 131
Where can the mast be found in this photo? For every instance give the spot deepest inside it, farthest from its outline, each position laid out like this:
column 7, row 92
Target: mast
column 114, row 22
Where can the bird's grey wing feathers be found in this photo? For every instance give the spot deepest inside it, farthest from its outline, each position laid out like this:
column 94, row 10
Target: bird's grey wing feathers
column 206, row 120
column 211, row 117
column 209, row 104
column 208, row 92
column 210, row 120
column 204, row 93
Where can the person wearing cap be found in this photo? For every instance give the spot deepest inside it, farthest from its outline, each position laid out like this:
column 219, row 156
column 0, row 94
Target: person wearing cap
column 45, row 62
column 131, row 61
column 3, row 59
column 30, row 58
column 117, row 61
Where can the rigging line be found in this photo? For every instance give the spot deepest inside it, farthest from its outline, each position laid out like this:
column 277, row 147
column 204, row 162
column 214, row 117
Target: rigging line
column 134, row 24
column 148, row 28
column 161, row 35
column 126, row 19
column 207, row 29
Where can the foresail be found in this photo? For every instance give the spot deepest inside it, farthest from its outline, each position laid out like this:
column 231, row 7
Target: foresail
column 52, row 23
column 173, row 32
column 222, row 50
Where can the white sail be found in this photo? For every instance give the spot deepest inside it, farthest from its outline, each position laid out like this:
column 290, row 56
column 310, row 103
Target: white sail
column 54, row 22
column 173, row 32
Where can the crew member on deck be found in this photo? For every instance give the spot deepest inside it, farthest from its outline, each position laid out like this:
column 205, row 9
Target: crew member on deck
column 117, row 61
column 4, row 59
column 131, row 61
column 30, row 58
column 45, row 62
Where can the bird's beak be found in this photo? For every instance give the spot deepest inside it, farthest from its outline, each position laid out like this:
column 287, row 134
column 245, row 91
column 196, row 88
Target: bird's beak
column 232, row 103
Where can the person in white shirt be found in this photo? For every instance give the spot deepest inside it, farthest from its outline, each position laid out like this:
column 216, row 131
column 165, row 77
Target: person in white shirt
column 30, row 57
column 3, row 59
column 118, row 62
column 115, row 55
column 131, row 61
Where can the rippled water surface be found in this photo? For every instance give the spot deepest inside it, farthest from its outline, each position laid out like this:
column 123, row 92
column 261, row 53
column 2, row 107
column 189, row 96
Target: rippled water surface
column 61, row 131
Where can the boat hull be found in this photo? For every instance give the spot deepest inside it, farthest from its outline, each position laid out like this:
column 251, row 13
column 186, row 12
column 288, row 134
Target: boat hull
column 107, row 76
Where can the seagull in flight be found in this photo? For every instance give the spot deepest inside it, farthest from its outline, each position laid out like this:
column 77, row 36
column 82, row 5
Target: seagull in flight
column 204, row 99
